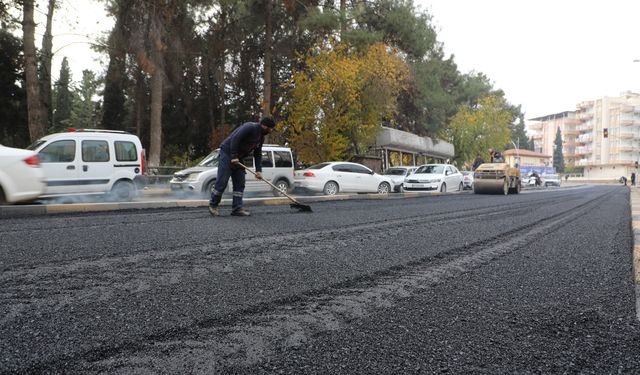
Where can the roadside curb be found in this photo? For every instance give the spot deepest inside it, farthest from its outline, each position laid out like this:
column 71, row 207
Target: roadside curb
column 634, row 198
column 66, row 208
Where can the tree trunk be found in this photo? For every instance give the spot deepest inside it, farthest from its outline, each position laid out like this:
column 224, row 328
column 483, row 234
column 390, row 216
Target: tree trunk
column 343, row 18
column 268, row 40
column 139, row 101
column 157, row 77
column 37, row 125
column 47, row 43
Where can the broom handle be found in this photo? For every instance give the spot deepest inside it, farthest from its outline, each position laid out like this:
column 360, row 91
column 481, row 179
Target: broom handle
column 272, row 185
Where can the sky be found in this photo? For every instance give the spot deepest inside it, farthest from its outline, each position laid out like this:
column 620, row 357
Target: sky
column 546, row 55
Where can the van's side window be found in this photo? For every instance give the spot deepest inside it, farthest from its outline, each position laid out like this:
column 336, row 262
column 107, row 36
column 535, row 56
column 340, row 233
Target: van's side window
column 266, row 159
column 58, row 152
column 95, row 151
column 126, row 151
column 283, row 159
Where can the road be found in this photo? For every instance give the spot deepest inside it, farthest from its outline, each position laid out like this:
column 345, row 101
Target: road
column 539, row 282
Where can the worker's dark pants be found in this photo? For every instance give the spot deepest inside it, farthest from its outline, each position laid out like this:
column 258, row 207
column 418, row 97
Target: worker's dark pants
column 226, row 170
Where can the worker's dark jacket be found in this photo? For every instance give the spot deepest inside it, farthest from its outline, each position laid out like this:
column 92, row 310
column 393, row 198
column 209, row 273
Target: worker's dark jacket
column 245, row 139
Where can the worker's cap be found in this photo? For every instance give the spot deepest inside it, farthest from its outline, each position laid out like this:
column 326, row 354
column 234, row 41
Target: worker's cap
column 268, row 121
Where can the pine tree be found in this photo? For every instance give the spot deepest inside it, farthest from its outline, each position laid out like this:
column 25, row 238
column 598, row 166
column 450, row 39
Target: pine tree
column 83, row 114
column 64, row 99
column 558, row 159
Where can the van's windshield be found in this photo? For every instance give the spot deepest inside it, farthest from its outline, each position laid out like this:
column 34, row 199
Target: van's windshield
column 211, row 160
column 35, row 145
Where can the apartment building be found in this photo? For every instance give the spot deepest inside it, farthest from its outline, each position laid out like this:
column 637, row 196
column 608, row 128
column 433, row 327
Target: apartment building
column 601, row 136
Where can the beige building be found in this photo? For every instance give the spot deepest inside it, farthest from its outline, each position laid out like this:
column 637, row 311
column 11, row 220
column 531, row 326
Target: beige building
column 526, row 158
column 602, row 136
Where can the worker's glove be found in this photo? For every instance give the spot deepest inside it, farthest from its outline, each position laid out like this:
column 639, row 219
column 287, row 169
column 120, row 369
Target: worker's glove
column 259, row 175
column 235, row 161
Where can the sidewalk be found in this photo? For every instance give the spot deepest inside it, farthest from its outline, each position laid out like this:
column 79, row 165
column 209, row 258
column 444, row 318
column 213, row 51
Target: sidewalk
column 634, row 198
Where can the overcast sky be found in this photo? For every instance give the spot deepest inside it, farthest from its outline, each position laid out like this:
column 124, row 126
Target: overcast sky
column 546, row 55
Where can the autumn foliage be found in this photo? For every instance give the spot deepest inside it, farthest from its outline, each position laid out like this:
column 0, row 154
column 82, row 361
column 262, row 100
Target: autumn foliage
column 339, row 100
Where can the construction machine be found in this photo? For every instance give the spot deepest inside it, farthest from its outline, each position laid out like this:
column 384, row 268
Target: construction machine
column 496, row 178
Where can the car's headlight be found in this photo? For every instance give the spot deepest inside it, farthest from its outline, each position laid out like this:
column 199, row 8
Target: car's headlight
column 193, row 176
column 431, row 181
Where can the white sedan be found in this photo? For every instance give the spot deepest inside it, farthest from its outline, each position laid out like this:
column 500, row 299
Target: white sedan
column 333, row 177
column 435, row 177
column 21, row 178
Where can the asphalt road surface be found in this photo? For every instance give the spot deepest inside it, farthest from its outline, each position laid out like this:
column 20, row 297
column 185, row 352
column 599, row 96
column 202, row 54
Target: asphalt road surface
column 539, row 282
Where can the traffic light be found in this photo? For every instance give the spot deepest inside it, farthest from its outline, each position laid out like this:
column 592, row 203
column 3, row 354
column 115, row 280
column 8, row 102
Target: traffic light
column 605, row 133
column 636, row 164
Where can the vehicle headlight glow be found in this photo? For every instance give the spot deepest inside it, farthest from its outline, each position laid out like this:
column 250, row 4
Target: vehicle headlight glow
column 193, row 176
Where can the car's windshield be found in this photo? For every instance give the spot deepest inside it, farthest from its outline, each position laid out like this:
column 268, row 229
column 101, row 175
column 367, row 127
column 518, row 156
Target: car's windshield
column 394, row 172
column 550, row 176
column 210, row 161
column 434, row 169
column 318, row 166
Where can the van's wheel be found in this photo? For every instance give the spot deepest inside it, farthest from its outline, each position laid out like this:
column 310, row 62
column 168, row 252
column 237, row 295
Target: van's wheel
column 460, row 187
column 282, row 186
column 3, row 200
column 331, row 188
column 123, row 190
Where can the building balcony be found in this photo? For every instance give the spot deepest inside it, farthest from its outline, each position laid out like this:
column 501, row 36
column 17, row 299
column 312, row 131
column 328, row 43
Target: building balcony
column 535, row 125
column 571, row 132
column 626, row 135
column 536, row 136
column 626, row 108
column 572, row 121
column 585, row 115
column 629, row 122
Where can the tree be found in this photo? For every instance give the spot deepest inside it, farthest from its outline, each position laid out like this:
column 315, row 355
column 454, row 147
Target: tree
column 63, row 98
column 339, row 101
column 473, row 130
column 558, row 158
column 37, row 119
column 13, row 109
column 45, row 65
column 83, row 114
column 519, row 135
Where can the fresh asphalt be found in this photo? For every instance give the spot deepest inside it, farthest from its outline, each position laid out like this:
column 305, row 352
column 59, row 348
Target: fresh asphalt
column 540, row 282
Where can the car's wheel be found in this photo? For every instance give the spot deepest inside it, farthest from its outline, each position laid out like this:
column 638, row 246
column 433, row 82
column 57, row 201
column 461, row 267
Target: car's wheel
column 123, row 190
column 282, row 187
column 3, row 199
column 443, row 188
column 461, row 187
column 331, row 188
column 384, row 188
column 208, row 188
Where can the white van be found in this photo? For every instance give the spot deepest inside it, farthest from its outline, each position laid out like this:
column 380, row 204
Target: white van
column 277, row 168
column 90, row 161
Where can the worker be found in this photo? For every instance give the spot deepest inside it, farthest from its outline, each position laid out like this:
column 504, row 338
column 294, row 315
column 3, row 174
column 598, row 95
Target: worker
column 495, row 156
column 476, row 163
column 246, row 139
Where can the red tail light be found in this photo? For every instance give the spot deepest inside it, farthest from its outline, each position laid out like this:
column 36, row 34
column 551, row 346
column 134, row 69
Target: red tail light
column 309, row 174
column 71, row 130
column 33, row 161
column 142, row 162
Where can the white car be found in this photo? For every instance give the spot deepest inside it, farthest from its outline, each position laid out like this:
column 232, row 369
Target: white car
column 467, row 180
column 333, row 177
column 21, row 178
column 434, row 177
column 397, row 175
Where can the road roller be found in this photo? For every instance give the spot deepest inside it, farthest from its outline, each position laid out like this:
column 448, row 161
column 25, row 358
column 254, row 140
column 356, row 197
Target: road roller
column 496, row 178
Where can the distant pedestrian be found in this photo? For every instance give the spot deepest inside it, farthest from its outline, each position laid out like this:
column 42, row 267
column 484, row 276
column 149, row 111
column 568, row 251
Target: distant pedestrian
column 623, row 180
column 566, row 177
column 633, row 178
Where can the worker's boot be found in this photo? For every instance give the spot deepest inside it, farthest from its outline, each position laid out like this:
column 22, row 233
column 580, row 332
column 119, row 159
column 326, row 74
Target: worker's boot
column 240, row 212
column 214, row 211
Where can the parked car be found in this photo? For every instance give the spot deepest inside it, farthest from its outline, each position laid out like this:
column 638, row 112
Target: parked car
column 440, row 177
column 277, row 168
column 21, row 177
column 333, row 177
column 90, row 161
column 551, row 180
column 397, row 175
column 467, row 180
